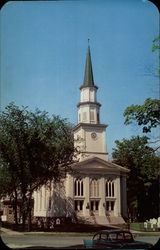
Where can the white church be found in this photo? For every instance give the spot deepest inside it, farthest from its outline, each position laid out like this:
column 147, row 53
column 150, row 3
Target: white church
column 95, row 192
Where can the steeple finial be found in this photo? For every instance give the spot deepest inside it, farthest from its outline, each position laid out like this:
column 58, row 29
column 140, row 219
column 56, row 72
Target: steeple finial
column 88, row 76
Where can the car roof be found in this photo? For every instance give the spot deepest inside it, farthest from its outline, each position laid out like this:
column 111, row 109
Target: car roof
column 115, row 230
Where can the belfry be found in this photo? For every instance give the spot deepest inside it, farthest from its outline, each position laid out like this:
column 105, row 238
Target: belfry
column 95, row 192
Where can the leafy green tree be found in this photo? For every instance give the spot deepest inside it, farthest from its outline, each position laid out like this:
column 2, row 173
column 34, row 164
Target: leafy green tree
column 156, row 45
column 142, row 184
column 146, row 115
column 34, row 148
column 8, row 186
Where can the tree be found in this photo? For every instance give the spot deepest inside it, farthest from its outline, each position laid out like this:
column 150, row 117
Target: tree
column 146, row 115
column 143, row 164
column 8, row 186
column 156, row 44
column 34, row 148
column 156, row 47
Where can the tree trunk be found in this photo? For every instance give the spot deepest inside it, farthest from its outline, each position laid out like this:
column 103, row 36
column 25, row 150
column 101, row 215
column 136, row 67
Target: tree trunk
column 29, row 213
column 15, row 208
column 23, row 220
column 24, row 208
column 29, row 220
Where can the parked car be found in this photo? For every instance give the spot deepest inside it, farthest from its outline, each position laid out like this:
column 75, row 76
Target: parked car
column 115, row 239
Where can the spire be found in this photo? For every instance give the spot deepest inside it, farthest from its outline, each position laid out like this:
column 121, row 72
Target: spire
column 88, row 76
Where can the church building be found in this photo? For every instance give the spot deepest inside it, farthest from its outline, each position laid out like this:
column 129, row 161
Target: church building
column 95, row 192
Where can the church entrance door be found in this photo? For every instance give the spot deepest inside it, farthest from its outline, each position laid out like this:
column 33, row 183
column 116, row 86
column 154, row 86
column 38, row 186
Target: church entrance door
column 110, row 207
column 78, row 204
column 94, row 207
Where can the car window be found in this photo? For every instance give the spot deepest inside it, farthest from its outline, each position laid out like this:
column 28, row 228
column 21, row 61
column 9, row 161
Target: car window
column 103, row 236
column 96, row 237
column 120, row 236
column 112, row 236
column 128, row 236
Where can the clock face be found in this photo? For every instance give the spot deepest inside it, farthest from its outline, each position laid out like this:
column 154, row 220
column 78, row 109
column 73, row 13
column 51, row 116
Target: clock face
column 94, row 135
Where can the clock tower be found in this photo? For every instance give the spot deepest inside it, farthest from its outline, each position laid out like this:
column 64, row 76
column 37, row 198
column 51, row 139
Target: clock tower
column 90, row 134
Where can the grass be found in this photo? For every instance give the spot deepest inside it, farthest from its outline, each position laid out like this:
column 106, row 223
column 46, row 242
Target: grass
column 139, row 226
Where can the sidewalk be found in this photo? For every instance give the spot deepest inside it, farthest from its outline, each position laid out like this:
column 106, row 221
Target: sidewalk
column 9, row 231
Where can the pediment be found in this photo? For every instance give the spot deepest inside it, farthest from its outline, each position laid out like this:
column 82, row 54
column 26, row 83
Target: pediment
column 95, row 164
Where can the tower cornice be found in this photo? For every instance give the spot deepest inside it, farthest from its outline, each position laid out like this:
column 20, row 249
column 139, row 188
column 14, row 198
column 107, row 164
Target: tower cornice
column 89, row 103
column 82, row 124
column 91, row 87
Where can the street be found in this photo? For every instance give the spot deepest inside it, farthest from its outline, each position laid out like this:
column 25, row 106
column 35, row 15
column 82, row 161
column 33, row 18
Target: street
column 56, row 239
column 46, row 240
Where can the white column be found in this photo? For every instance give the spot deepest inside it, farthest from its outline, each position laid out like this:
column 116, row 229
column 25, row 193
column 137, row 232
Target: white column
column 102, row 197
column 118, row 197
column 86, row 210
column 43, row 198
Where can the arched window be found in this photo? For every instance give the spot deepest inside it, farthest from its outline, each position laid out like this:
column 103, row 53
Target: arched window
column 109, row 184
column 84, row 116
column 94, row 188
column 81, row 188
column 75, row 188
column 97, row 117
column 112, row 188
column 109, row 188
column 78, row 187
column 78, row 182
column 92, row 115
column 106, row 189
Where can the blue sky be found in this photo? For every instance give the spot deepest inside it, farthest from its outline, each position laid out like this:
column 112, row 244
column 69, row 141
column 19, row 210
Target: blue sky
column 43, row 51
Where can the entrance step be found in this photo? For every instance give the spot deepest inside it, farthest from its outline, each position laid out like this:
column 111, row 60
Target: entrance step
column 105, row 220
column 100, row 220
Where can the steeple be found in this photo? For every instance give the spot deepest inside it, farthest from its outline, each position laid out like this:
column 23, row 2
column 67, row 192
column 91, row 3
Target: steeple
column 89, row 127
column 88, row 76
column 88, row 107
